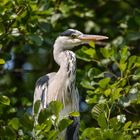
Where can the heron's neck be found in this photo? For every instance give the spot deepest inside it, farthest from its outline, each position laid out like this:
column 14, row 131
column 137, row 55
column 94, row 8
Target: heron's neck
column 57, row 52
column 65, row 59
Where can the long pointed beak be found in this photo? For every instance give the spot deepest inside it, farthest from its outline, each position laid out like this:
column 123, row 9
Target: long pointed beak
column 86, row 37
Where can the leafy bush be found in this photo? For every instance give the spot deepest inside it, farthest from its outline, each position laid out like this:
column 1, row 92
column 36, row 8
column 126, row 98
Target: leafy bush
column 112, row 92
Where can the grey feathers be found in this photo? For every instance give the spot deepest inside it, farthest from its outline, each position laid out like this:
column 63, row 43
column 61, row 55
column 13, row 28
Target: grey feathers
column 68, row 32
column 42, row 80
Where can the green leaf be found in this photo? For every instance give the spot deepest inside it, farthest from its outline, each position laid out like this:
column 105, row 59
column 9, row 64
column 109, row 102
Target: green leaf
column 93, row 72
column 131, row 61
column 91, row 52
column 92, row 44
column 92, row 134
column 116, row 94
column 74, row 114
column 4, row 100
column 124, row 53
column 97, row 110
column 133, row 36
column 44, row 115
column 2, row 61
column 114, row 124
column 92, row 100
column 45, row 126
column 86, row 54
column 123, row 82
column 106, row 52
column 137, row 62
column 107, row 92
column 27, row 122
column 10, row 134
column 102, row 121
column 52, row 135
column 118, row 41
column 81, row 55
column 55, row 107
column 64, row 123
column 127, row 125
column 108, row 134
column 104, row 82
column 122, row 66
column 137, row 72
column 36, row 106
column 86, row 84
column 105, row 61
column 14, row 122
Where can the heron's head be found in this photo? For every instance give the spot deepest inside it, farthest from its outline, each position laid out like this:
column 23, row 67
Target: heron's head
column 71, row 38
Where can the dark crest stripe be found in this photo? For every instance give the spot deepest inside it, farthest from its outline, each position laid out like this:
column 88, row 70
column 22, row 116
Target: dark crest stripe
column 67, row 33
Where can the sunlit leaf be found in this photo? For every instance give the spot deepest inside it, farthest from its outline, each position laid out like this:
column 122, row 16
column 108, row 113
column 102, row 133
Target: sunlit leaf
column 92, row 100
column 2, row 61
column 14, row 122
column 122, row 66
column 104, row 82
column 106, row 52
column 86, row 54
column 91, row 52
column 116, row 93
column 127, row 125
column 46, row 126
column 4, row 100
column 92, row 44
column 124, row 54
column 107, row 92
column 55, row 107
column 137, row 62
column 74, row 114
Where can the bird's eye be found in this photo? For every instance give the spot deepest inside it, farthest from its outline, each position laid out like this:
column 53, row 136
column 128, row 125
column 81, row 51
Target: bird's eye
column 73, row 36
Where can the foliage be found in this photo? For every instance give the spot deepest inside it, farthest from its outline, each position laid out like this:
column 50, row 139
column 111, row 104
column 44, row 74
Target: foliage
column 108, row 74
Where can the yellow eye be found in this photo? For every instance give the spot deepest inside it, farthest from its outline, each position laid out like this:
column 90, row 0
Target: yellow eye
column 73, row 36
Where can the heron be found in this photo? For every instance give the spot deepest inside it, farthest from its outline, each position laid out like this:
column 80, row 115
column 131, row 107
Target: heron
column 60, row 86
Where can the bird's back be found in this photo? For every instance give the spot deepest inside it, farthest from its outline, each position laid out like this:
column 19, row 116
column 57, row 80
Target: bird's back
column 41, row 90
column 54, row 87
